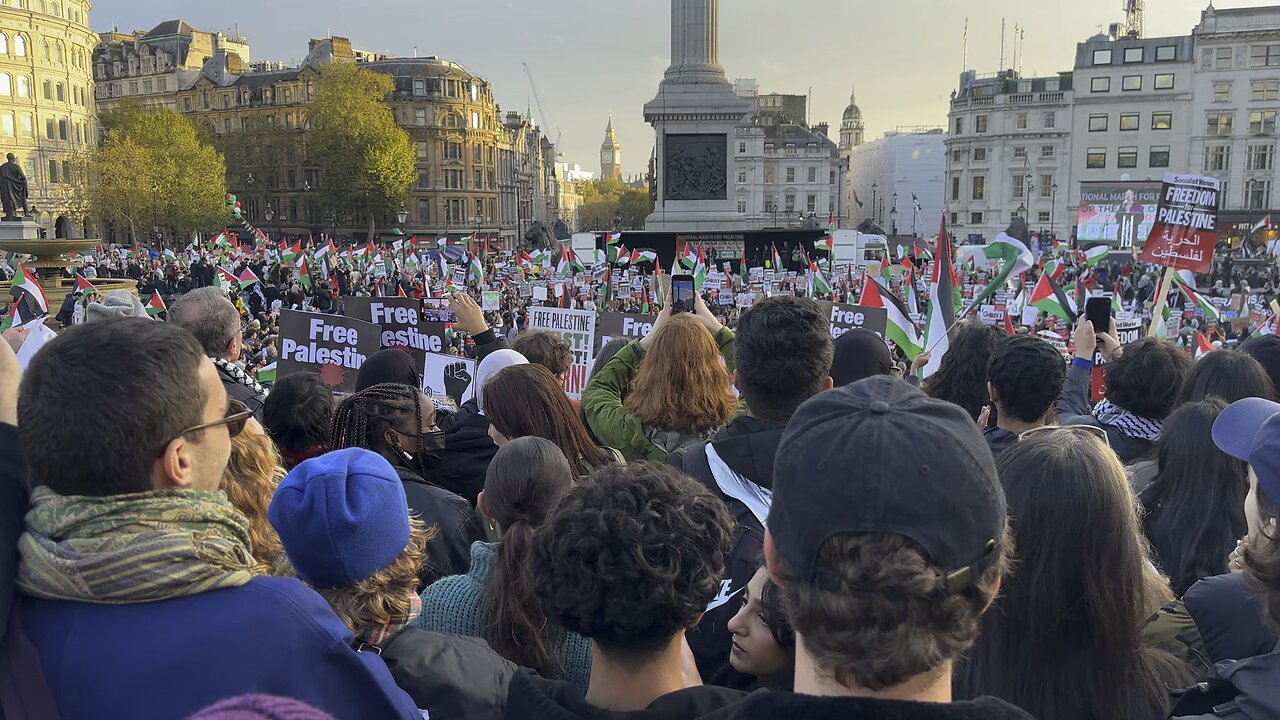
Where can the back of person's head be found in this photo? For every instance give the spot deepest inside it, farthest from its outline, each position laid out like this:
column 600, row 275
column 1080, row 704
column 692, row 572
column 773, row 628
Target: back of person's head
column 392, row 365
column 1229, row 375
column 961, row 377
column 345, row 526
column 369, row 419
column 859, row 354
column 525, row 400
column 886, row 560
column 208, row 315
column 260, row 707
column 99, row 402
column 631, row 557
column 548, row 349
column 1147, row 378
column 682, row 384
column 490, row 365
column 253, row 472
column 607, row 351
column 526, row 478
column 1195, row 506
column 1074, row 609
column 1026, row 374
column 297, row 415
column 1266, row 350
column 782, row 353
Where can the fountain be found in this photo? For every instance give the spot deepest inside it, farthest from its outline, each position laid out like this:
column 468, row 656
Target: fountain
column 49, row 261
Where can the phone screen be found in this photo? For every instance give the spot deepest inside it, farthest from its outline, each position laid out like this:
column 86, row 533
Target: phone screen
column 438, row 310
column 1098, row 311
column 682, row 293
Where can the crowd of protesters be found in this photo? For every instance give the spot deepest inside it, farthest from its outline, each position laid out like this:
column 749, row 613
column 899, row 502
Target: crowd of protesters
column 742, row 518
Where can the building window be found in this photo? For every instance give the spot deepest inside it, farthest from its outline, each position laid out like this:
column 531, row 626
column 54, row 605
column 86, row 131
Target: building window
column 1046, row 186
column 1219, row 123
column 790, row 203
column 1217, row 158
column 768, row 175
column 742, row 205
column 27, row 125
column 6, row 124
column 1020, row 121
column 1263, row 90
column 419, row 87
column 49, row 129
column 955, row 187
column 421, row 147
column 1047, row 151
column 1129, row 121
column 811, row 203
column 62, row 92
column 955, row 218
column 48, row 89
column 742, row 177
column 1095, row 158
column 1100, row 85
column 1097, row 123
column 478, row 177
column 1133, row 55
column 6, row 87
column 4, row 44
column 790, row 175
column 1222, row 58
column 955, row 155
column 1161, row 120
column 1257, row 194
column 813, row 175
column 1050, row 120
column 1019, row 153
column 420, row 117
column 1165, row 53
column 475, row 119
column 1262, row 121
column 1264, row 56
column 1019, row 186
column 1127, row 157
column 452, row 151
column 19, row 46
column 975, row 218
column 979, row 187
column 742, row 148
column 1159, row 157
column 456, row 208
column 959, row 126
column 477, row 154
column 453, row 179
column 424, row 179
column 1164, row 81
column 24, row 86
column 980, row 124
column 1130, row 83
column 1101, row 57
column 1260, row 157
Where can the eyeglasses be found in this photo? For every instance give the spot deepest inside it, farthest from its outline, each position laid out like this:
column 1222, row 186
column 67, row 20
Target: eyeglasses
column 1086, row 429
column 237, row 415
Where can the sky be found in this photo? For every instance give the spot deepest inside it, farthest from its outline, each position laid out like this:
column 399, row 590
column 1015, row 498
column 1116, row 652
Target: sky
column 590, row 58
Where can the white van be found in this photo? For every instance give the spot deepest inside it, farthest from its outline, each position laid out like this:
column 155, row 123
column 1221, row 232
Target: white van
column 858, row 248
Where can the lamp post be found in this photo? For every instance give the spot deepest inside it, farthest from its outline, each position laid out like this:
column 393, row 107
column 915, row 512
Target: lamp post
column 1248, row 193
column 332, row 217
column 893, row 218
column 402, row 215
column 249, row 182
column 1031, row 187
column 1053, row 206
column 617, row 220
column 306, row 202
column 1022, row 210
column 269, row 215
column 875, row 215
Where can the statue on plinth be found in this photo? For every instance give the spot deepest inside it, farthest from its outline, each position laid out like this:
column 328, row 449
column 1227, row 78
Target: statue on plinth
column 13, row 188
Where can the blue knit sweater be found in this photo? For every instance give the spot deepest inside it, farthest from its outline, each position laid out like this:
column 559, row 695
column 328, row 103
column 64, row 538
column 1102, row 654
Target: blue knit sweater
column 457, row 604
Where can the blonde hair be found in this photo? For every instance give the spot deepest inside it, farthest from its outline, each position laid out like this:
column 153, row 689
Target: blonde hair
column 253, row 472
column 681, row 384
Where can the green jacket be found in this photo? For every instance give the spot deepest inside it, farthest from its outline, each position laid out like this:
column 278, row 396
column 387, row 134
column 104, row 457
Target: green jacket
column 609, row 420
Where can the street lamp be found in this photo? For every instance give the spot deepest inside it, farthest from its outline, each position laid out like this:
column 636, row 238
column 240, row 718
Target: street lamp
column 1053, row 206
column 617, row 220
column 332, row 217
column 874, row 214
column 893, row 217
column 269, row 215
column 1022, row 210
column 306, row 202
column 402, row 215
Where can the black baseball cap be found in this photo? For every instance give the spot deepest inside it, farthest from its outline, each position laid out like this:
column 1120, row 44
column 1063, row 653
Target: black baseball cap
column 879, row 456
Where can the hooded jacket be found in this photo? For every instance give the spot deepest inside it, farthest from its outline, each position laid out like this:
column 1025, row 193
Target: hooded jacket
column 449, row 552
column 1244, row 690
column 765, row 705
column 746, row 447
column 534, row 698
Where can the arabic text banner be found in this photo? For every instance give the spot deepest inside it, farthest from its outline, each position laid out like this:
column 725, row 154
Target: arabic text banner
column 1186, row 228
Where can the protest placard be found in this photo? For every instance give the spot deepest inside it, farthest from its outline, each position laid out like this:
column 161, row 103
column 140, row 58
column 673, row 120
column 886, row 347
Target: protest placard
column 539, row 293
column 991, row 314
column 578, row 328
column 842, row 318
column 1186, row 227
column 450, row 376
column 401, row 322
column 332, row 345
column 626, row 325
column 489, row 301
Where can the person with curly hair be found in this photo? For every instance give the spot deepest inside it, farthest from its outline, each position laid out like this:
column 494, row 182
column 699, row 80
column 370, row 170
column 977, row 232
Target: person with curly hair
column 666, row 391
column 628, row 559
column 252, row 474
column 1024, row 378
column 1143, row 381
column 961, row 375
column 347, row 533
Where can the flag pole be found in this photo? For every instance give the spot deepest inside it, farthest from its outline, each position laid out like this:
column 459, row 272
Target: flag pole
column 1162, row 293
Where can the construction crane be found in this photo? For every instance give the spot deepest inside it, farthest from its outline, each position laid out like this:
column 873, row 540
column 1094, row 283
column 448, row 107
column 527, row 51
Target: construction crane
column 538, row 101
column 1133, row 19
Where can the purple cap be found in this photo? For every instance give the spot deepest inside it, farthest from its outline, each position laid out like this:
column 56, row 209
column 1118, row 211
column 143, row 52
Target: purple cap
column 1249, row 430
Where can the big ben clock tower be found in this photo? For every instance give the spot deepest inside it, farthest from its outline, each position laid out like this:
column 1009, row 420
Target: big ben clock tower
column 610, row 154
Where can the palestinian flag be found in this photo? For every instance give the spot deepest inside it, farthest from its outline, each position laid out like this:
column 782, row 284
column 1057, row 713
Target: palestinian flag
column 304, row 273
column 912, row 301
column 1054, row 268
column 225, row 280
column 29, row 285
column 83, row 286
column 900, row 329
column 1095, row 255
column 1203, row 346
column 777, row 259
column 818, row 284
column 1210, row 310
column 1263, row 224
column 611, row 244
column 942, row 310
column 156, row 305
column 247, row 279
column 10, row 317
column 169, row 254
column 1116, row 306
column 1013, row 248
column 1049, row 297
column 643, row 256
column 563, row 267
column 267, row 373
column 688, row 258
column 644, row 300
column 222, row 241
column 699, row 271
column 289, row 254
column 828, row 244
column 885, row 264
column 475, row 270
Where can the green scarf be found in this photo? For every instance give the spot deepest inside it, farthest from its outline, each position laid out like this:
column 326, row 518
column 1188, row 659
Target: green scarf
column 124, row 549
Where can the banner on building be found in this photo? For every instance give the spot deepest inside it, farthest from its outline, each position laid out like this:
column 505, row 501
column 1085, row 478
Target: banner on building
column 578, row 328
column 1186, row 228
column 332, row 345
column 1119, row 214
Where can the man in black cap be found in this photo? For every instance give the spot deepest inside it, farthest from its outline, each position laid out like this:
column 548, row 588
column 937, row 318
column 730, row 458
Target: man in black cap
column 888, row 538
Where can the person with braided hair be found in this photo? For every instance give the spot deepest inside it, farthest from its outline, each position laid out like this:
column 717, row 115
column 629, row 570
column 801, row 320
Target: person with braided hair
column 399, row 423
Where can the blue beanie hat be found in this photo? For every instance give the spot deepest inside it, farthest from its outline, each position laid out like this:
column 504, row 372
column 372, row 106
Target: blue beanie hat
column 341, row 517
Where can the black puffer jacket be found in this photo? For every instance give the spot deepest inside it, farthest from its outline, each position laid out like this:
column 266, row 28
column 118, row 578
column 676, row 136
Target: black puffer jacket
column 1244, row 690
column 449, row 553
column 449, row 676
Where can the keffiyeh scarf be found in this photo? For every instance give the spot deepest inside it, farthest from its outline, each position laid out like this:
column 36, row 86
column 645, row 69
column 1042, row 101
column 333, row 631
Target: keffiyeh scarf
column 238, row 375
column 1132, row 425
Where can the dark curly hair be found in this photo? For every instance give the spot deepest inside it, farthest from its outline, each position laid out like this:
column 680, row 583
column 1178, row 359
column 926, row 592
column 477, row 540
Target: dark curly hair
column 631, row 556
column 1229, row 375
column 1027, row 374
column 1147, row 378
column 961, row 377
column 783, row 355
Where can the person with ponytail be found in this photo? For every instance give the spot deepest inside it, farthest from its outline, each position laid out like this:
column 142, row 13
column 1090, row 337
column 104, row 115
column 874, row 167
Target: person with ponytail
column 495, row 600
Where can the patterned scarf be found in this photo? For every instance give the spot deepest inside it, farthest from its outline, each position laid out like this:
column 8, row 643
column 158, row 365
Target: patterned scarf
column 238, row 375
column 1132, row 425
column 125, row 549
column 375, row 635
